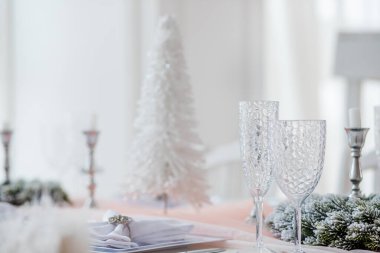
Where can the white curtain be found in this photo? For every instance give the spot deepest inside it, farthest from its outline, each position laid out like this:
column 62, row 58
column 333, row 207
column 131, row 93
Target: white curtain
column 69, row 59
column 5, row 70
column 72, row 58
column 299, row 44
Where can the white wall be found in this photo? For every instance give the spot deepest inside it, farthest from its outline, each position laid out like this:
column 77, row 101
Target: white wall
column 5, row 70
column 70, row 61
column 74, row 58
column 214, row 37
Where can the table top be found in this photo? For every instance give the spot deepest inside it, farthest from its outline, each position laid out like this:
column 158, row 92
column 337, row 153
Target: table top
column 225, row 220
column 230, row 214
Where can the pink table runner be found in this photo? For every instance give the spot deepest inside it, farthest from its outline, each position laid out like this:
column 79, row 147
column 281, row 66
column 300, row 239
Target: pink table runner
column 229, row 214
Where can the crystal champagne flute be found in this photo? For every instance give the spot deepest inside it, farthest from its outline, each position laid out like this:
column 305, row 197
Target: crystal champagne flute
column 257, row 121
column 299, row 154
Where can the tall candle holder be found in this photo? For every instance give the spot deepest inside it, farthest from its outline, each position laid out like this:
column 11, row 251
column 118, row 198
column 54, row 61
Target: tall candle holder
column 356, row 140
column 6, row 138
column 91, row 139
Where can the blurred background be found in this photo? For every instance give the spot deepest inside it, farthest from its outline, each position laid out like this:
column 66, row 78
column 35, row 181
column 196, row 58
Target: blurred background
column 63, row 61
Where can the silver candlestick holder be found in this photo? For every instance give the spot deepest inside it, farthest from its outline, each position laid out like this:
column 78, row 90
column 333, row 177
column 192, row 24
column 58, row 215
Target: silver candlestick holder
column 356, row 139
column 6, row 138
column 91, row 139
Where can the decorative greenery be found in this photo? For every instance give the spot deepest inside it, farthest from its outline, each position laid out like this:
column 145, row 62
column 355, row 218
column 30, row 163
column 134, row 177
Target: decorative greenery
column 21, row 192
column 333, row 221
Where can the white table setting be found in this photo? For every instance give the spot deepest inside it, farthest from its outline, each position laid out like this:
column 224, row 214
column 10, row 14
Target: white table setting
column 290, row 152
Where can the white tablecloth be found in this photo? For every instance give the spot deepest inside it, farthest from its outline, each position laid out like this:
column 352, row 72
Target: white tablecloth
column 244, row 241
column 46, row 229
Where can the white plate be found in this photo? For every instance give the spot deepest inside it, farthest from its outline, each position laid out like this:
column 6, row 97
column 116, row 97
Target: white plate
column 190, row 240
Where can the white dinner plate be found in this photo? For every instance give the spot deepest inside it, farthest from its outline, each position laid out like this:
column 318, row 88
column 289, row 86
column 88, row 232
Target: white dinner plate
column 190, row 240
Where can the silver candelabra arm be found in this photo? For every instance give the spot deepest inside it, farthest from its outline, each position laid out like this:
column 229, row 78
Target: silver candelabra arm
column 91, row 139
column 356, row 140
column 6, row 139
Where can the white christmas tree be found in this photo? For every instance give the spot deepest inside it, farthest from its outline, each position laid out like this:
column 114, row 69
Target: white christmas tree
column 166, row 158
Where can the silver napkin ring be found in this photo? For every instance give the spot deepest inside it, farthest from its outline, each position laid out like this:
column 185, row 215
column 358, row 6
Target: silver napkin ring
column 121, row 219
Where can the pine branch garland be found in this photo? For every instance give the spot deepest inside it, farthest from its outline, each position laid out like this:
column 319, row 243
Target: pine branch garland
column 21, row 192
column 333, row 221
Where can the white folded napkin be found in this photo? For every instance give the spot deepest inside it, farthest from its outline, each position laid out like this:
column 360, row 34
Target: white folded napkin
column 140, row 231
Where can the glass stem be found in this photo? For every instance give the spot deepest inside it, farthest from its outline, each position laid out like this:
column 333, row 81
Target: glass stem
column 259, row 221
column 297, row 228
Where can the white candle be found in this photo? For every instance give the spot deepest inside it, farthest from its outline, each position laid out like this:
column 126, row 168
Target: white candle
column 354, row 118
column 94, row 122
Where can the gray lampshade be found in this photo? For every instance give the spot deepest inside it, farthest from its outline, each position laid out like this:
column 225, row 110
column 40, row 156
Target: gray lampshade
column 358, row 55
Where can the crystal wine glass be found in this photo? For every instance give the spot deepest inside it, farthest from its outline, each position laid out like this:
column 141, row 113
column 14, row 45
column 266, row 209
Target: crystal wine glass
column 299, row 151
column 257, row 121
